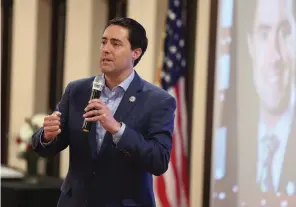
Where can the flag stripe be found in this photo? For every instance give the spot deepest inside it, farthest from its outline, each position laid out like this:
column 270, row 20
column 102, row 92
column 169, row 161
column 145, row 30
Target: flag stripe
column 176, row 174
column 172, row 186
column 161, row 190
column 176, row 155
column 184, row 159
column 184, row 113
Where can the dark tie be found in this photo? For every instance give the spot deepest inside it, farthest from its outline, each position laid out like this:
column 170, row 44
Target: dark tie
column 271, row 145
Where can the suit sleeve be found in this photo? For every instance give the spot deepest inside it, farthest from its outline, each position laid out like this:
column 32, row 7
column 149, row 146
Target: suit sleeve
column 61, row 141
column 152, row 152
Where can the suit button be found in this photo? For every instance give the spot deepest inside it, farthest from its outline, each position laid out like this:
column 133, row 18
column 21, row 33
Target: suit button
column 94, row 173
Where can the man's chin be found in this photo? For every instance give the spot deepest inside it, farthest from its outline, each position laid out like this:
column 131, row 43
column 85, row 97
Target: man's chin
column 276, row 107
column 107, row 69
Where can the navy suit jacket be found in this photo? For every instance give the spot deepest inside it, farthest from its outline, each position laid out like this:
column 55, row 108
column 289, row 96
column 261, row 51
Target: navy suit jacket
column 119, row 175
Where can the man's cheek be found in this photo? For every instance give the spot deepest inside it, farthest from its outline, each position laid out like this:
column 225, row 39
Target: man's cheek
column 287, row 54
column 287, row 76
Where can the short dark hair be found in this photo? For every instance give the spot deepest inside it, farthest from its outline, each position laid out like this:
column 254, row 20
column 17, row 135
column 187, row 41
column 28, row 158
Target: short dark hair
column 137, row 33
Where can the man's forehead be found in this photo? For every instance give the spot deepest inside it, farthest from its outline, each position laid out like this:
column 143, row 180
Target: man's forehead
column 115, row 32
column 272, row 11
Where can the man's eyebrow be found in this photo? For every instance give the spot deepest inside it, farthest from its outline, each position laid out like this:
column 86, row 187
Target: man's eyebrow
column 285, row 24
column 112, row 39
column 263, row 27
column 115, row 40
column 266, row 27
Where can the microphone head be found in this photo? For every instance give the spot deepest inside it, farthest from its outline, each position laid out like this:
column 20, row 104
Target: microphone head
column 99, row 83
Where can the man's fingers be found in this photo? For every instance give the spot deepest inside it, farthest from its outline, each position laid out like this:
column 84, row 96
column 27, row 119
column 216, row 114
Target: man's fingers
column 57, row 113
column 52, row 123
column 93, row 113
column 102, row 118
column 50, row 135
column 96, row 101
column 94, row 105
column 52, row 118
column 92, row 118
column 51, row 128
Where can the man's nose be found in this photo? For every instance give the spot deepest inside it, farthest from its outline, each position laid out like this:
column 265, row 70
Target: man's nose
column 274, row 49
column 106, row 48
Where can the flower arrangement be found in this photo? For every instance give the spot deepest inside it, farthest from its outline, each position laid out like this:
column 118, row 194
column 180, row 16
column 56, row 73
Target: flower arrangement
column 24, row 141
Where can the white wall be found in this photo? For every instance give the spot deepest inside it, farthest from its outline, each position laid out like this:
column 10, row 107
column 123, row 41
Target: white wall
column 29, row 68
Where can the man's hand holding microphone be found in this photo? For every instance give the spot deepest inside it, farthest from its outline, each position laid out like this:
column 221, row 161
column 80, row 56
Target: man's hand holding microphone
column 97, row 110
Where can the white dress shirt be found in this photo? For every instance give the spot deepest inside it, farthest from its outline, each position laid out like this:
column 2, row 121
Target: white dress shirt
column 281, row 131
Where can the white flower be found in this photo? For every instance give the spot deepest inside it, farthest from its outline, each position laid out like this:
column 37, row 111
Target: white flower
column 23, row 147
column 38, row 119
column 26, row 132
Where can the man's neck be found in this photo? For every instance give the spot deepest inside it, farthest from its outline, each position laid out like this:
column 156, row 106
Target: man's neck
column 113, row 80
column 269, row 119
column 272, row 119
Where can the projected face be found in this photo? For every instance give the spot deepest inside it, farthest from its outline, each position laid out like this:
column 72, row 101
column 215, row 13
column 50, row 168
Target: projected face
column 272, row 49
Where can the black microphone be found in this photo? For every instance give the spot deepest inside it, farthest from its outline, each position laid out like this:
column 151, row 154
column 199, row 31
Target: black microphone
column 97, row 88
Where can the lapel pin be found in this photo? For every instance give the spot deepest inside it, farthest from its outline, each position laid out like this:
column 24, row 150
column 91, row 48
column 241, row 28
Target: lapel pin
column 132, row 99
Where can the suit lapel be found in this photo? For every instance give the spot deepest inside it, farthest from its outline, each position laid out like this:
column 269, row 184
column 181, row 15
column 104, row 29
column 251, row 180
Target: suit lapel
column 288, row 173
column 124, row 107
column 127, row 103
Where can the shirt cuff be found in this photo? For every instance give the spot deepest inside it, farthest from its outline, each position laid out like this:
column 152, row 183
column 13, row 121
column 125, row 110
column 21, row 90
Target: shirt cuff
column 117, row 136
column 44, row 144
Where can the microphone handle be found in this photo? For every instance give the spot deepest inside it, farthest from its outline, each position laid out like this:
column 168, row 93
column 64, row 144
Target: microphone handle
column 87, row 124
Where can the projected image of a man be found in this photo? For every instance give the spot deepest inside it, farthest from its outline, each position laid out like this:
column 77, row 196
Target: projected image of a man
column 271, row 46
column 272, row 49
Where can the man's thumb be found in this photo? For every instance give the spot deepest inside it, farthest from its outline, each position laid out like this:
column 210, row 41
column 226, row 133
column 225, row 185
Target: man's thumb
column 57, row 113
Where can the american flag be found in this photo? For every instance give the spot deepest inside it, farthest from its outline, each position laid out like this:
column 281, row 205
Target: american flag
column 172, row 187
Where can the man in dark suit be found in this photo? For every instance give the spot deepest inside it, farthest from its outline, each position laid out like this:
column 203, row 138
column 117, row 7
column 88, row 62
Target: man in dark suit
column 267, row 146
column 131, row 135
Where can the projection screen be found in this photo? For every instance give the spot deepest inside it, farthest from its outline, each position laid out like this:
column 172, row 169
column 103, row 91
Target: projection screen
column 254, row 129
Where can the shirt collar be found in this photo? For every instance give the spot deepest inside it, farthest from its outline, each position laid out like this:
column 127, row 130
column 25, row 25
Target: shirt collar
column 126, row 83
column 283, row 127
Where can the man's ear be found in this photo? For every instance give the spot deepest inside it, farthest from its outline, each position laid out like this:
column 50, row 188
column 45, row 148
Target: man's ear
column 136, row 53
column 250, row 45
